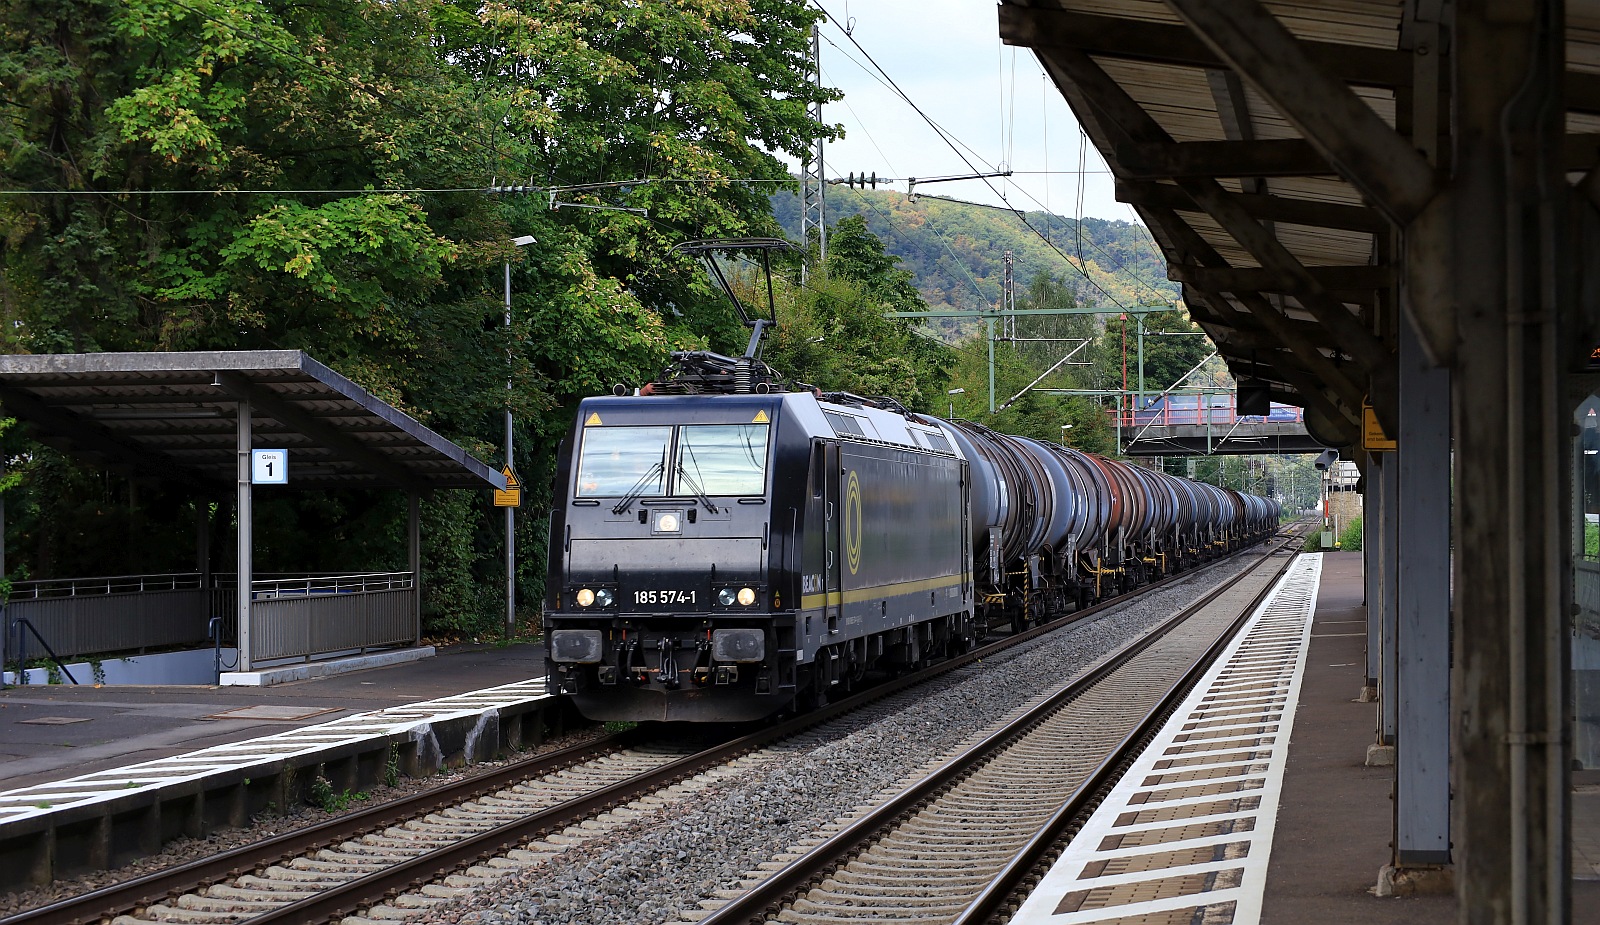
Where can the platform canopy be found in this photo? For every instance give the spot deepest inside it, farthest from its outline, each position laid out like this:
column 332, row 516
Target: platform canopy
column 1278, row 212
column 173, row 416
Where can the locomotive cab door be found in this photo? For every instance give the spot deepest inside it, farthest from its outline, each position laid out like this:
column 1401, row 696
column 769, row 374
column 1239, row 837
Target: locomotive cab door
column 833, row 516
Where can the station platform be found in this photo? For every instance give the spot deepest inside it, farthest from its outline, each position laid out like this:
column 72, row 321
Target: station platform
column 1255, row 803
column 52, row 731
column 93, row 776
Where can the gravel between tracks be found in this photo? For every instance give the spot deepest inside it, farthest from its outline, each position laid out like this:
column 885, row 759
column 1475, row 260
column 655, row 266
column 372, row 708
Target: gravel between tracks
column 260, row 828
column 662, row 865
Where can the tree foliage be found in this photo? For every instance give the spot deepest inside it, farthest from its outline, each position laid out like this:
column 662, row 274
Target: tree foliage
column 834, row 332
column 1172, row 347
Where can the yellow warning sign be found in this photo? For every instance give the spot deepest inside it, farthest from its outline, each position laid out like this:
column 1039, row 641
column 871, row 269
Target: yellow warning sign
column 512, row 495
column 594, row 418
column 1373, row 439
column 761, row 418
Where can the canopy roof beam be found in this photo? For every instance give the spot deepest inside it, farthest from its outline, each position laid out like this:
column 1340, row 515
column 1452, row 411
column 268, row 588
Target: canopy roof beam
column 1260, row 279
column 1337, row 122
column 1124, row 114
column 1267, row 208
column 72, row 433
column 1133, row 40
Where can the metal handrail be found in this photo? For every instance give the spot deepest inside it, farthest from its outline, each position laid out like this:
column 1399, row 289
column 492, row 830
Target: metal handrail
column 22, row 623
column 333, row 584
column 43, row 588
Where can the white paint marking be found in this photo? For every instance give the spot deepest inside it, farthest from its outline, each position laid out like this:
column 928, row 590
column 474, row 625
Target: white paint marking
column 1287, row 613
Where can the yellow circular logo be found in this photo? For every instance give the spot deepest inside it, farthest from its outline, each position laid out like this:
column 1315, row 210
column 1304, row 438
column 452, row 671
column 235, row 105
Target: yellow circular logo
column 852, row 523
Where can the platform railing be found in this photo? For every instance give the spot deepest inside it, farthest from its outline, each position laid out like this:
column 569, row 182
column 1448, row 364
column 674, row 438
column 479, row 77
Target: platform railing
column 294, row 615
column 106, row 584
column 1586, row 662
column 306, row 616
column 113, row 613
column 1586, row 594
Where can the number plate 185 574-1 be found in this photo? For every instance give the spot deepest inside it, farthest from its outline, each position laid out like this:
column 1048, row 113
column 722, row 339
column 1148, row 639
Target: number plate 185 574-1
column 663, row 597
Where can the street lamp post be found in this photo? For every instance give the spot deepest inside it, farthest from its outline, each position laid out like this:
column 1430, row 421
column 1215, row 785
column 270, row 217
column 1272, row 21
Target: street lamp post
column 1064, row 429
column 511, row 512
column 953, row 393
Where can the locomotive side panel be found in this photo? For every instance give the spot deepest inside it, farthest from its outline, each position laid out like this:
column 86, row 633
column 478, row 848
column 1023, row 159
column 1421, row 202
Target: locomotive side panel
column 901, row 524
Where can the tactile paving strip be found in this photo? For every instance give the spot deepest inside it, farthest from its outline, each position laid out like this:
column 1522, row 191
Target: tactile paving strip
column 56, row 796
column 1186, row 834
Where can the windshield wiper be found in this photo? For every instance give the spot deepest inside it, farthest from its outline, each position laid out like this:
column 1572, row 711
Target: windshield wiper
column 699, row 492
column 637, row 489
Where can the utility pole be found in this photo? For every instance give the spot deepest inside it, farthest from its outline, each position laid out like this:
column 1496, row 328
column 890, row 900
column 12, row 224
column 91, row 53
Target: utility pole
column 812, row 184
column 1008, row 298
column 511, row 512
column 1140, row 319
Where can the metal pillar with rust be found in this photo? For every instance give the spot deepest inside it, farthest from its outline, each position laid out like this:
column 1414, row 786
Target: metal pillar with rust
column 1422, row 740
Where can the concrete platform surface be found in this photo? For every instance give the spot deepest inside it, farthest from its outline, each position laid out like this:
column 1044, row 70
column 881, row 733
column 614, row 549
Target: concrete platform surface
column 58, row 731
column 1335, row 819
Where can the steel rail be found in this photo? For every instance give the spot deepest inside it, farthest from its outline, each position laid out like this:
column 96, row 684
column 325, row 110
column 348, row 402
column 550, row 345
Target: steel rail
column 764, row 901
column 118, row 898
column 107, row 902
column 1092, row 790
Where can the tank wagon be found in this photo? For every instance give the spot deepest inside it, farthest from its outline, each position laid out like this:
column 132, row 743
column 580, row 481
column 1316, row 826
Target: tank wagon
column 724, row 557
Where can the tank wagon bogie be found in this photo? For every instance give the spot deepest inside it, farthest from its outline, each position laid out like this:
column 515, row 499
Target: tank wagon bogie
column 724, row 557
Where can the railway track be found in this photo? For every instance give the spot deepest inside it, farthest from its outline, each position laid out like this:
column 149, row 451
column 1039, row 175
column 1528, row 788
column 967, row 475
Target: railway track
column 953, row 846
column 396, row 860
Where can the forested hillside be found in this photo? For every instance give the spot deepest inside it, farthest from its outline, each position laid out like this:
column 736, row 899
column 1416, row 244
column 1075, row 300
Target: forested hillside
column 954, row 249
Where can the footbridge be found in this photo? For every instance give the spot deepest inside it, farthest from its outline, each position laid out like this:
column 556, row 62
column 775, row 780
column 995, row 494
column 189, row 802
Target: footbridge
column 1208, row 423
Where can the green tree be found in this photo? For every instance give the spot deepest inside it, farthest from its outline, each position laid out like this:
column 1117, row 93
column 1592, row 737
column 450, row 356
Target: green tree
column 834, row 333
column 1173, row 345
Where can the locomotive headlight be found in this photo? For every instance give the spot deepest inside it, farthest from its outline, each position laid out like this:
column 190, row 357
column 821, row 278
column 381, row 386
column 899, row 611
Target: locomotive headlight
column 604, row 597
column 726, row 597
column 747, row 596
column 585, row 597
column 667, row 523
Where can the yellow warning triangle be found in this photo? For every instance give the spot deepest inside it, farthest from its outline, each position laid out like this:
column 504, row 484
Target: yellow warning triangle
column 594, row 418
column 511, row 477
column 761, row 418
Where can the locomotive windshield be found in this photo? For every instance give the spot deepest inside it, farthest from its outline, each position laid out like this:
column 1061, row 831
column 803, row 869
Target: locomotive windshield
column 722, row 459
column 710, row 459
column 619, row 461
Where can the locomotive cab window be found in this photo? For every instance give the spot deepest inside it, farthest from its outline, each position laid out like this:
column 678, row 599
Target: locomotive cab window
column 721, row 459
column 617, row 461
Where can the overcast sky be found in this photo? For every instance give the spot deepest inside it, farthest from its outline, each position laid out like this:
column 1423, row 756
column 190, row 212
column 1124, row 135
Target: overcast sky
column 946, row 55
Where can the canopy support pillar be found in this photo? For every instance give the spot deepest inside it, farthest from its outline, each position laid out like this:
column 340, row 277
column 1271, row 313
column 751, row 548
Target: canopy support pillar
column 246, row 537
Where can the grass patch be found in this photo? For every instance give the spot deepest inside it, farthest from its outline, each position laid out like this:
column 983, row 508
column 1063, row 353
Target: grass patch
column 324, row 797
column 1350, row 539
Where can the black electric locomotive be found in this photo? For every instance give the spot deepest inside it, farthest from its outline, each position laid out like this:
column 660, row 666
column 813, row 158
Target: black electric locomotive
column 717, row 557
